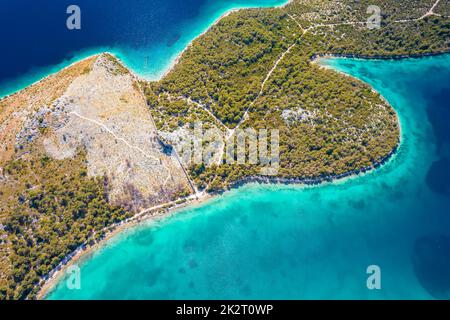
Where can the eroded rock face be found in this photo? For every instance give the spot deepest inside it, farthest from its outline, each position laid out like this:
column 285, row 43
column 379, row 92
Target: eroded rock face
column 103, row 112
column 431, row 261
column 438, row 177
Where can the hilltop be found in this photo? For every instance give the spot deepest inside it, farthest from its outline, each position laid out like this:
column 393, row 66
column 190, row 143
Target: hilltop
column 92, row 146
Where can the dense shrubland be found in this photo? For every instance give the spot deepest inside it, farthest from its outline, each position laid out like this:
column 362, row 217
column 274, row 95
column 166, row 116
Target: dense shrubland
column 352, row 127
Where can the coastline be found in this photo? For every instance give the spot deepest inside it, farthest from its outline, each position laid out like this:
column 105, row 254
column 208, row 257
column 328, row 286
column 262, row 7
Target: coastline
column 315, row 58
column 172, row 66
column 341, row 223
column 85, row 251
column 321, row 180
column 50, row 75
column 167, row 70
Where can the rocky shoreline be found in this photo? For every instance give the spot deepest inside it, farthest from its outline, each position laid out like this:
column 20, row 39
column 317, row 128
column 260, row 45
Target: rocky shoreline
column 84, row 250
column 313, row 181
column 315, row 57
column 48, row 282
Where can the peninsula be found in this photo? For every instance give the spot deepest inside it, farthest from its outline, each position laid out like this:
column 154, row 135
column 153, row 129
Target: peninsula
column 93, row 147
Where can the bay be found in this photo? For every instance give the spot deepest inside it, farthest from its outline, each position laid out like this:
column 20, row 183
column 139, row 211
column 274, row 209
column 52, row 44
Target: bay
column 294, row 242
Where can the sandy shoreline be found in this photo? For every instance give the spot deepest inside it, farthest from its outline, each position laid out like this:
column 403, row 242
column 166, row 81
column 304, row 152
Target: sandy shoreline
column 159, row 214
column 164, row 212
column 189, row 45
column 85, row 251
column 170, row 67
column 226, row 14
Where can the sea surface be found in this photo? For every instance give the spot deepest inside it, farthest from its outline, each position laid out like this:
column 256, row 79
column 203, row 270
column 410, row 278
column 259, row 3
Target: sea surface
column 146, row 34
column 292, row 242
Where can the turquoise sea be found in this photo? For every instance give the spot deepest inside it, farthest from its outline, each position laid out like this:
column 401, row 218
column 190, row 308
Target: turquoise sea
column 147, row 35
column 293, row 242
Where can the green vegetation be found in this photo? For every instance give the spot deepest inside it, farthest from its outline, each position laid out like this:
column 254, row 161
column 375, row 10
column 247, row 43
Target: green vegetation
column 171, row 113
column 48, row 209
column 119, row 67
column 329, row 124
column 344, row 126
column 443, row 8
column 224, row 68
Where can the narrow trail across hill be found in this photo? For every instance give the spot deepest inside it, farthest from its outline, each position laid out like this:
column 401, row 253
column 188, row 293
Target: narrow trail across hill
column 200, row 195
column 116, row 136
column 322, row 25
column 304, row 31
column 156, row 161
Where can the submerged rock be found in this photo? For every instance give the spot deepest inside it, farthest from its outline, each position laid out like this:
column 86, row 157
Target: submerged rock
column 431, row 261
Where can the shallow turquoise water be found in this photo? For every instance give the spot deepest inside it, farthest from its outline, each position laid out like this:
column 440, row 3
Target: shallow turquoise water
column 147, row 35
column 286, row 242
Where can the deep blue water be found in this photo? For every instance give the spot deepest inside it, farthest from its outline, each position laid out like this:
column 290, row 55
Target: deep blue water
column 286, row 242
column 146, row 34
column 259, row 241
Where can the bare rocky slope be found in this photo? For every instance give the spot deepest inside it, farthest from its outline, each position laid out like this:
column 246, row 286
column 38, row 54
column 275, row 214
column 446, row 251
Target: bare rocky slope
column 81, row 151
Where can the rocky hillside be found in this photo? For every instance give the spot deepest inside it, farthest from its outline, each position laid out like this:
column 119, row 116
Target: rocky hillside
column 84, row 149
column 79, row 153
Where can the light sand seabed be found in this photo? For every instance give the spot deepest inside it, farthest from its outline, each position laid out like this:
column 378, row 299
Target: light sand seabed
column 82, row 254
column 87, row 251
column 35, row 76
column 158, row 215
